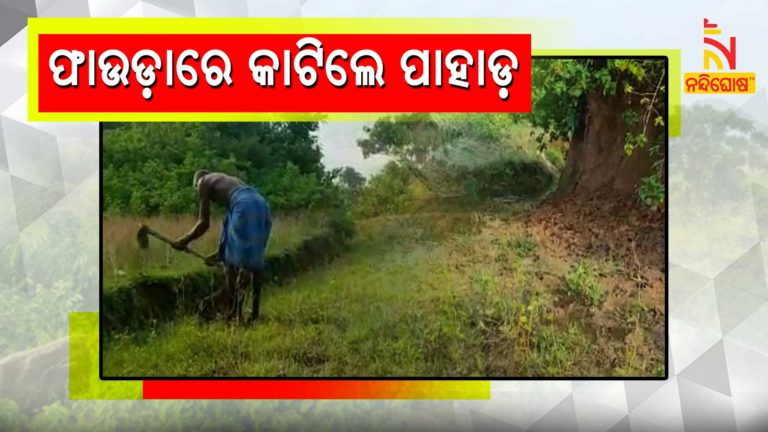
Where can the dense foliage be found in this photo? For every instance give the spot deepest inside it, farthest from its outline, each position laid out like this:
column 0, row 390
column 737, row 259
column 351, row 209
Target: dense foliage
column 350, row 178
column 559, row 91
column 560, row 87
column 148, row 167
column 471, row 156
column 460, row 147
column 394, row 190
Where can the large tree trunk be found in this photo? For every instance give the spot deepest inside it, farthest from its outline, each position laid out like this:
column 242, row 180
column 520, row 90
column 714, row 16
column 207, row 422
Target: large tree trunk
column 596, row 162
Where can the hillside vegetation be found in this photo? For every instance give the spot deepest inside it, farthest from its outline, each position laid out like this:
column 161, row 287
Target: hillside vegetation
column 491, row 245
column 457, row 269
column 454, row 293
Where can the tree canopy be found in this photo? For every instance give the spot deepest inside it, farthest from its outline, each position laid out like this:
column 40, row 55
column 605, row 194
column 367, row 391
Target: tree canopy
column 623, row 99
column 148, row 167
column 560, row 91
column 351, row 178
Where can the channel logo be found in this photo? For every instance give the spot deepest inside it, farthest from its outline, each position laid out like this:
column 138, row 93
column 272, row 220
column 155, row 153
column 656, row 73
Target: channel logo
column 723, row 57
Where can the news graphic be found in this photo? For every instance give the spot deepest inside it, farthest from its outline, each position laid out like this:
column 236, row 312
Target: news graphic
column 715, row 51
column 449, row 261
column 249, row 216
column 286, row 73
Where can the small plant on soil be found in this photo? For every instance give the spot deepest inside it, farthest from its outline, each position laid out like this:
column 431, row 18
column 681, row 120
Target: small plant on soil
column 524, row 246
column 583, row 283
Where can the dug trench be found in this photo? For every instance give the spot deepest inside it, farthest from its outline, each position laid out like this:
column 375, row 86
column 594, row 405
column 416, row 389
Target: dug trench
column 147, row 300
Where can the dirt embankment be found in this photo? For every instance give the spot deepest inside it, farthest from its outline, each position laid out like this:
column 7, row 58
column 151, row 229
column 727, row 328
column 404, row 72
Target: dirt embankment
column 618, row 229
column 142, row 300
column 630, row 242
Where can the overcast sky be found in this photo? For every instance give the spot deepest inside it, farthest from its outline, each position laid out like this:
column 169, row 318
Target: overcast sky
column 339, row 144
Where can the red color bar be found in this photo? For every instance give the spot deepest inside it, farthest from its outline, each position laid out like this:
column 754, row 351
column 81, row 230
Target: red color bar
column 310, row 389
column 92, row 94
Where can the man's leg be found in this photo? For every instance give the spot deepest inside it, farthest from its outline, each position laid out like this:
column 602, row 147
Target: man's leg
column 241, row 290
column 220, row 302
column 227, row 296
column 258, row 281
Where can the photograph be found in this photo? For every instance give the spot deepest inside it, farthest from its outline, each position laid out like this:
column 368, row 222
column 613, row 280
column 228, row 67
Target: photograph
column 414, row 245
column 361, row 216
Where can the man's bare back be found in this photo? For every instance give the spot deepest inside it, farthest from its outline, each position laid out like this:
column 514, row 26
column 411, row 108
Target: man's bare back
column 215, row 187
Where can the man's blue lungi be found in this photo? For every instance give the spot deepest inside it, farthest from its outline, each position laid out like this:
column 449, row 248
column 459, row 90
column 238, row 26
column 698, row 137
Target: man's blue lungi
column 246, row 229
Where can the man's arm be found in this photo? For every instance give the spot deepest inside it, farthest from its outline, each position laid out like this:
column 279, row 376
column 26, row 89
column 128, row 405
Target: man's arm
column 203, row 218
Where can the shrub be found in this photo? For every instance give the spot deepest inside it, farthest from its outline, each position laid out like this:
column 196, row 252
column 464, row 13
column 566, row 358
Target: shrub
column 524, row 246
column 555, row 156
column 286, row 188
column 53, row 418
column 11, row 417
column 394, row 190
column 341, row 223
column 583, row 284
column 651, row 192
column 517, row 176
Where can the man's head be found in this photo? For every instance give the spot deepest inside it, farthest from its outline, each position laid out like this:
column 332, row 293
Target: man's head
column 198, row 175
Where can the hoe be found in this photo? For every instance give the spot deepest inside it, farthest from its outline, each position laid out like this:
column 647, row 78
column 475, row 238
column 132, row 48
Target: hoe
column 143, row 238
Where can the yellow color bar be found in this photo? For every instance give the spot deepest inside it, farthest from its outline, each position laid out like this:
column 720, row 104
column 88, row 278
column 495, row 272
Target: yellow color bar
column 84, row 381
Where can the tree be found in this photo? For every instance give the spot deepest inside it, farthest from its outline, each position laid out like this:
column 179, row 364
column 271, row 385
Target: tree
column 726, row 167
column 477, row 155
column 351, row 178
column 148, row 167
column 410, row 138
column 612, row 113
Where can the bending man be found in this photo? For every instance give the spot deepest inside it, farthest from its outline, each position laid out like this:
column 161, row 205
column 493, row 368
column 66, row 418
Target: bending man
column 243, row 241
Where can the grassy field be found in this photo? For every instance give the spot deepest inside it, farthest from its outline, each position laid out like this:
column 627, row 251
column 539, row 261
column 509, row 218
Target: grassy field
column 453, row 293
column 122, row 257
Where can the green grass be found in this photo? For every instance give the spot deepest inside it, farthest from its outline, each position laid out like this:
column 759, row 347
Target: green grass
column 555, row 155
column 583, row 283
column 524, row 246
column 122, row 257
column 329, row 322
column 422, row 295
